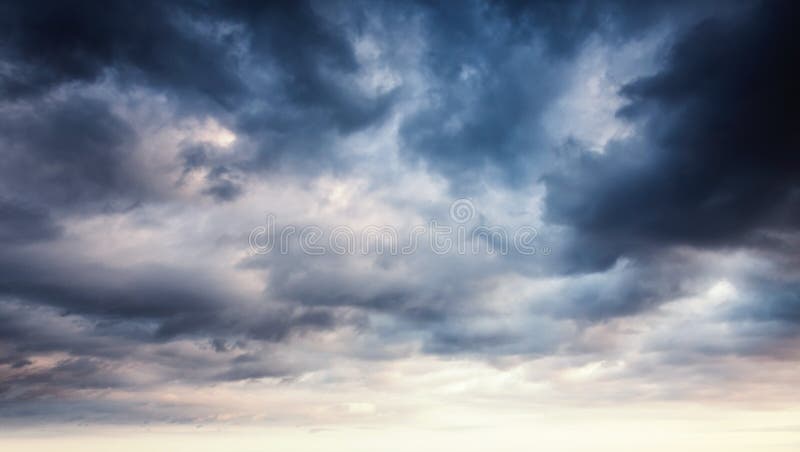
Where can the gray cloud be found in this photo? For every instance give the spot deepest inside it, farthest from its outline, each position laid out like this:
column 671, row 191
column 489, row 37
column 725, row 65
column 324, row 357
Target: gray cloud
column 716, row 161
column 494, row 69
column 708, row 167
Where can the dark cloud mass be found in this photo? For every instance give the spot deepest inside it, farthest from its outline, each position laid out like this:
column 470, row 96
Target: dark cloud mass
column 46, row 44
column 718, row 159
column 23, row 223
column 715, row 165
column 497, row 67
column 67, row 154
column 140, row 140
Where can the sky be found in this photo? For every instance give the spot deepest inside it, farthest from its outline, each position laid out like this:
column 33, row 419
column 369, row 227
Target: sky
column 373, row 225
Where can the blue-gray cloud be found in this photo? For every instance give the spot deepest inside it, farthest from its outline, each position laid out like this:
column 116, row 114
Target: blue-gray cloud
column 710, row 166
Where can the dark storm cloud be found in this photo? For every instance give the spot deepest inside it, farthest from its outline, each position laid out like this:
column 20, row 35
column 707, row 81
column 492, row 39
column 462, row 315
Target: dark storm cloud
column 270, row 71
column 772, row 303
column 103, row 319
column 629, row 288
column 21, row 223
column 65, row 154
column 488, row 87
column 172, row 302
column 330, row 282
column 315, row 56
column 48, row 43
column 496, row 67
column 222, row 182
column 67, row 151
column 714, row 165
column 718, row 159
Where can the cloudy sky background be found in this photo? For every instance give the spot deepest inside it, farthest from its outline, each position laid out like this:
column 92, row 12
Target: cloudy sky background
column 653, row 147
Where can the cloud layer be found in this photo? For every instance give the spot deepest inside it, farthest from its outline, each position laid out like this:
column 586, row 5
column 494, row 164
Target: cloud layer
column 651, row 147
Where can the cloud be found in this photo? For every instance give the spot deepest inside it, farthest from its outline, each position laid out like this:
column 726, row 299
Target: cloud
column 714, row 145
column 67, row 153
column 493, row 71
column 54, row 43
column 140, row 144
column 20, row 223
column 270, row 72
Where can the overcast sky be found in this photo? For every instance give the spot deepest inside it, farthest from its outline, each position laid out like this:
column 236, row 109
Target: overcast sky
column 619, row 181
